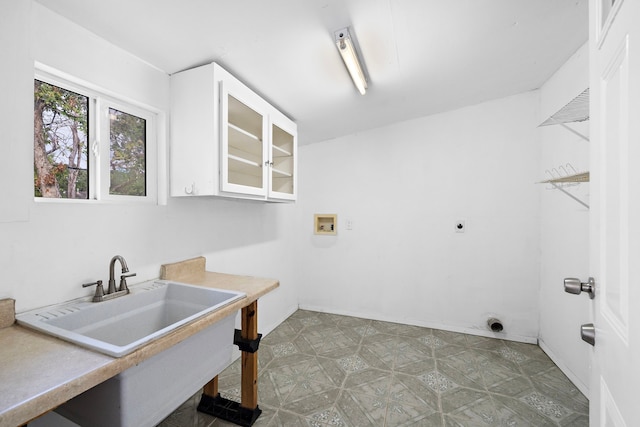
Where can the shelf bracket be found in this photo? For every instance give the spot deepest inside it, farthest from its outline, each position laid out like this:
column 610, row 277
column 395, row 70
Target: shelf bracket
column 573, row 131
column 557, row 187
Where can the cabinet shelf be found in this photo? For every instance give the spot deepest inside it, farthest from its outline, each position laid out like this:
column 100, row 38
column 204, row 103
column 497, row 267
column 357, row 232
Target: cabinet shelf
column 244, row 166
column 244, row 141
column 578, row 177
column 280, row 152
column 277, row 173
column 244, row 132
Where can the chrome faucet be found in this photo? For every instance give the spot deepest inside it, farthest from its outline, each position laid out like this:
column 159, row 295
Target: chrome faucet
column 112, row 292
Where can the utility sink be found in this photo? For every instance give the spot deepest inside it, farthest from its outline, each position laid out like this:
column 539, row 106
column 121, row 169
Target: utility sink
column 144, row 394
column 117, row 327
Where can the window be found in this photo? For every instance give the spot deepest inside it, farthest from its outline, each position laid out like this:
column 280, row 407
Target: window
column 127, row 154
column 90, row 146
column 60, row 142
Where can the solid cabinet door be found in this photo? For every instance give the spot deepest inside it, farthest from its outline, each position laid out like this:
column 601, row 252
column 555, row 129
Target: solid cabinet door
column 243, row 139
column 283, row 157
column 194, row 132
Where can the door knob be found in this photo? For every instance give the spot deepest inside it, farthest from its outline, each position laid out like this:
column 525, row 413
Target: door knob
column 575, row 286
column 588, row 333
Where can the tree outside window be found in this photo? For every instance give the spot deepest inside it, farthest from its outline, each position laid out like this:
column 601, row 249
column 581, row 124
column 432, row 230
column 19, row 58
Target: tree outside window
column 62, row 160
column 127, row 154
column 60, row 143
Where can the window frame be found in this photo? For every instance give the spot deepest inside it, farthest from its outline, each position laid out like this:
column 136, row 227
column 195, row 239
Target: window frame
column 98, row 139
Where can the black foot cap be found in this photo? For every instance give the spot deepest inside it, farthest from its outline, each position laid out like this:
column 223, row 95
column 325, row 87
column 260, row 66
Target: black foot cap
column 228, row 410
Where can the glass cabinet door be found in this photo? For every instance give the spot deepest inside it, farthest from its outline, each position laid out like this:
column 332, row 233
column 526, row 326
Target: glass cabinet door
column 243, row 148
column 283, row 167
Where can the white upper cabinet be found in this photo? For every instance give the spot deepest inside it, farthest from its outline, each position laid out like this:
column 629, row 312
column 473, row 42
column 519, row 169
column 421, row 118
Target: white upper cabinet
column 227, row 141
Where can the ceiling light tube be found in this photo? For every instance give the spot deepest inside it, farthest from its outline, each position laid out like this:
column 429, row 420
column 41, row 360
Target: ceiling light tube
column 349, row 55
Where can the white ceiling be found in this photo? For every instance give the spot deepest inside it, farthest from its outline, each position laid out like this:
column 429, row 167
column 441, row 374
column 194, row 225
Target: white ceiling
column 422, row 56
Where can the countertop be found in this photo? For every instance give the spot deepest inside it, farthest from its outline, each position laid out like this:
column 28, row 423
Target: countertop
column 39, row 372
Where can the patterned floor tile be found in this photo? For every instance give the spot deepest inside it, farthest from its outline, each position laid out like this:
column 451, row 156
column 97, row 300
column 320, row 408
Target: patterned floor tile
column 455, row 398
column 399, row 392
column 437, row 382
column 284, row 332
column 431, row 341
column 509, row 385
column 417, row 367
column 401, row 413
column 310, row 404
column 326, row 417
column 546, row 406
column 186, row 415
column 362, row 410
column 555, row 385
column 486, row 413
column 365, row 330
column 320, row 369
column 512, row 355
column 464, row 375
column 377, row 385
column 525, row 411
column 352, row 363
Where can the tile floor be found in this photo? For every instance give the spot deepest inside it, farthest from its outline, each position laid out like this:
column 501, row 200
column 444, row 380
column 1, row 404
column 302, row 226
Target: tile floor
column 318, row 369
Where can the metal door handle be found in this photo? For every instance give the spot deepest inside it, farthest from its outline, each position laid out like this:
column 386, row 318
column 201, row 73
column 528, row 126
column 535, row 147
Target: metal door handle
column 575, row 286
column 588, row 333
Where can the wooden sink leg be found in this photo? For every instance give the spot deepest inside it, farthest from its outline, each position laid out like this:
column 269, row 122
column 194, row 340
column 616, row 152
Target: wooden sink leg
column 247, row 411
column 211, row 388
column 249, row 393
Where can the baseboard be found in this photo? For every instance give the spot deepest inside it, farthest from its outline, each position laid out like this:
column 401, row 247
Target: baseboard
column 584, row 389
column 433, row 325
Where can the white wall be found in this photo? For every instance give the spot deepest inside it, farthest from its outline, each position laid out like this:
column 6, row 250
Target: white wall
column 404, row 186
column 48, row 249
column 564, row 227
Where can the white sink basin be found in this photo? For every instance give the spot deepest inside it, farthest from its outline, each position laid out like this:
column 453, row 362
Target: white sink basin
column 119, row 326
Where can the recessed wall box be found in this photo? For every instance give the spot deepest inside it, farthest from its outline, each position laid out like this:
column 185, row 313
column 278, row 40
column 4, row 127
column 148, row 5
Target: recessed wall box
column 325, row 224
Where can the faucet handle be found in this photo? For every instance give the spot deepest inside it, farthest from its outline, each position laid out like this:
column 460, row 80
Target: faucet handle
column 99, row 295
column 123, row 282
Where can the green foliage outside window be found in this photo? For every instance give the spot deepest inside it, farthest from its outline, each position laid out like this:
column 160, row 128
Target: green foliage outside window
column 127, row 160
column 60, row 142
column 61, row 156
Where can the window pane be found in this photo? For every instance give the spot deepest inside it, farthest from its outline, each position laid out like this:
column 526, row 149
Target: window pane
column 60, row 142
column 127, row 134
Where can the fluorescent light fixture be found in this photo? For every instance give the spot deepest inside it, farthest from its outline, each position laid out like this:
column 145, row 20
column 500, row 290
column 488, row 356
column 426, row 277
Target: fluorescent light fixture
column 349, row 55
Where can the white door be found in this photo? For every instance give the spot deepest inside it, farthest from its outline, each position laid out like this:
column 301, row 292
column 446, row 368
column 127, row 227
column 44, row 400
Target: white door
column 615, row 211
